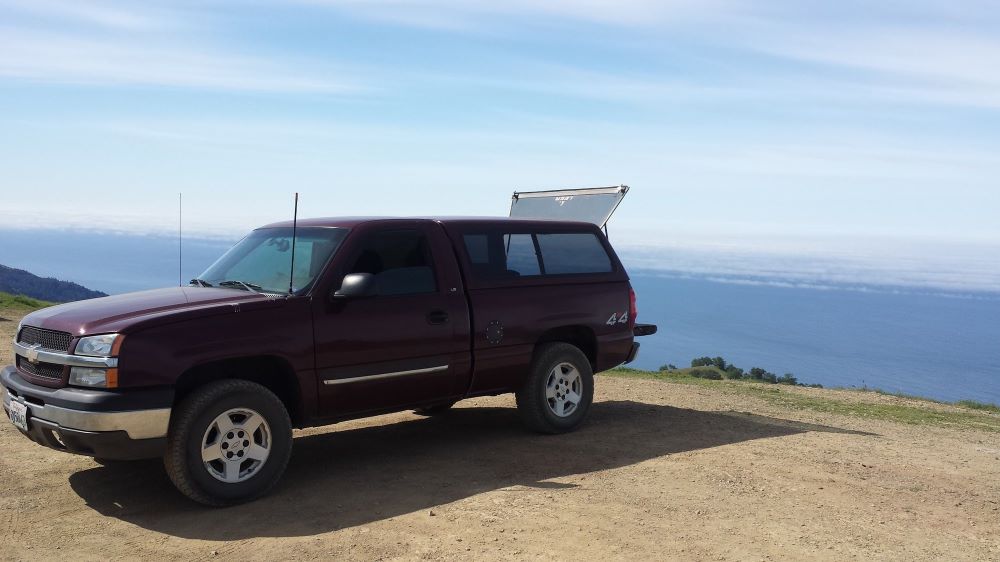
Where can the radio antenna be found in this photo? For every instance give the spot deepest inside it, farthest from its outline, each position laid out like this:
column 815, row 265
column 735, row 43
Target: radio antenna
column 180, row 232
column 295, row 221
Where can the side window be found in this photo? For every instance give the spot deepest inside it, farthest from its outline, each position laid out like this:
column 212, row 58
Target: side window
column 573, row 253
column 400, row 260
column 521, row 256
column 478, row 247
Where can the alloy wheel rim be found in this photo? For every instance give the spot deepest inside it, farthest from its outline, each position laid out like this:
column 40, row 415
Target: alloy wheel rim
column 563, row 390
column 236, row 445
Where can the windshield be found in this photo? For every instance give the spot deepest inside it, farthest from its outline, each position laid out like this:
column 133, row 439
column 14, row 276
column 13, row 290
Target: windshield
column 263, row 260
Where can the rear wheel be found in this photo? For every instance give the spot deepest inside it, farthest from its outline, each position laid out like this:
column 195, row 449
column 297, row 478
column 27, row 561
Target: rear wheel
column 559, row 389
column 229, row 442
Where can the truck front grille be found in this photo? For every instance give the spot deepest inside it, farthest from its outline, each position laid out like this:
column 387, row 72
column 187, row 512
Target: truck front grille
column 49, row 339
column 44, row 370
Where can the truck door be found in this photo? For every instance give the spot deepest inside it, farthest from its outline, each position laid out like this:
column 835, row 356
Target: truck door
column 408, row 344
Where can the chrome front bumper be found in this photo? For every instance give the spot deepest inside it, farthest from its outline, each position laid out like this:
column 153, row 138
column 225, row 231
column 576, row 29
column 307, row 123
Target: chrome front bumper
column 138, row 424
column 141, row 414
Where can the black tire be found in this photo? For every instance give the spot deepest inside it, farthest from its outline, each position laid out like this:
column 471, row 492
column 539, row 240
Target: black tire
column 533, row 404
column 434, row 410
column 189, row 423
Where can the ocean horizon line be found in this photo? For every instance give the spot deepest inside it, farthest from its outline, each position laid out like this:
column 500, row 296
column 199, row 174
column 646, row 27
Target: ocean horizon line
column 964, row 273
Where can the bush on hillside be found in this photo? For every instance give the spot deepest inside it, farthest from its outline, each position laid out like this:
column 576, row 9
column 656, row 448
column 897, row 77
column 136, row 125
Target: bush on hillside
column 733, row 372
column 701, row 362
column 705, row 373
column 788, row 378
column 700, row 367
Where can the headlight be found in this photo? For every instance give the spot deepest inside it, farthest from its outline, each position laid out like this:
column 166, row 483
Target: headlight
column 97, row 346
column 86, row 376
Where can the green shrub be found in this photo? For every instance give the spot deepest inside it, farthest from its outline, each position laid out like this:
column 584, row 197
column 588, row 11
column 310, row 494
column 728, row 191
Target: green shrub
column 733, row 372
column 701, row 362
column 668, row 367
column 724, row 369
column 705, row 373
column 788, row 378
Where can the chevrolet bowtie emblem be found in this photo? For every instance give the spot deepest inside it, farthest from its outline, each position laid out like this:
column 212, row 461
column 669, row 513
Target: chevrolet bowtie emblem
column 31, row 354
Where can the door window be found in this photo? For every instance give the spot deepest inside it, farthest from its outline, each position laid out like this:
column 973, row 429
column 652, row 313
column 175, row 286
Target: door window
column 400, row 260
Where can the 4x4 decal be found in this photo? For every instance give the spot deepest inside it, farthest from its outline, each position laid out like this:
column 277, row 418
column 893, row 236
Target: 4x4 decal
column 615, row 319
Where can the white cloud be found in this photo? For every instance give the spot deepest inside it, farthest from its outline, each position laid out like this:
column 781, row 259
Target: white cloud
column 113, row 43
column 918, row 52
column 811, row 114
column 56, row 58
column 480, row 14
column 922, row 63
column 110, row 14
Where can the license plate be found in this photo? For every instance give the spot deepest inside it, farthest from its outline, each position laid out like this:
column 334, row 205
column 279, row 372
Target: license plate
column 19, row 415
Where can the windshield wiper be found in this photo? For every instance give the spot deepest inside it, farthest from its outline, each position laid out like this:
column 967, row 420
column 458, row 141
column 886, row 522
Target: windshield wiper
column 246, row 286
column 199, row 282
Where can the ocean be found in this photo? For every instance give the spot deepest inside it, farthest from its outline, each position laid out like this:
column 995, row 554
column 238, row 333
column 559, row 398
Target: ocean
column 938, row 344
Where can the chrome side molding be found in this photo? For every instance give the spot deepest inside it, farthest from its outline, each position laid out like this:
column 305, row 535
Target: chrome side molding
column 392, row 374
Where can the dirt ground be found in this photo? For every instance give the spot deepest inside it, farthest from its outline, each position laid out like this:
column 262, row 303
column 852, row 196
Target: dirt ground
column 660, row 471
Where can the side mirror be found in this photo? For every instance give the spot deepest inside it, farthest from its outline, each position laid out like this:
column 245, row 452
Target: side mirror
column 356, row 285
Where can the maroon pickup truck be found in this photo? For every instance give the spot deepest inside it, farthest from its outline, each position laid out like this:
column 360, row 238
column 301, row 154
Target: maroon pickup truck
column 372, row 316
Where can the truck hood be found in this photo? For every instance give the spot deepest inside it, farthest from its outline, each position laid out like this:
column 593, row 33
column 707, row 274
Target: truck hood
column 119, row 312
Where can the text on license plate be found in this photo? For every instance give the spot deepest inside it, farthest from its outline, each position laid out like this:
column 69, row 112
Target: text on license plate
column 19, row 415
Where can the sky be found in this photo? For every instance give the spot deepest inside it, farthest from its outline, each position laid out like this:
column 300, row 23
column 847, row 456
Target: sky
column 773, row 125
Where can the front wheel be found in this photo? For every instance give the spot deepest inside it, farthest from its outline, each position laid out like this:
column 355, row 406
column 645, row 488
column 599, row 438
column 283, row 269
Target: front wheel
column 559, row 389
column 229, row 442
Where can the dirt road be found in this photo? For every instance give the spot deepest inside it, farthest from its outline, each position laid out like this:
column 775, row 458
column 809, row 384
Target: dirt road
column 660, row 471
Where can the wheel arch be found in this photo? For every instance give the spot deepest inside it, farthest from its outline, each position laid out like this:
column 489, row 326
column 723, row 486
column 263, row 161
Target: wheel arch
column 582, row 337
column 269, row 371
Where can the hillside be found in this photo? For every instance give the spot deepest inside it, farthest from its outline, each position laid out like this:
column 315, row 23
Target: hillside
column 20, row 282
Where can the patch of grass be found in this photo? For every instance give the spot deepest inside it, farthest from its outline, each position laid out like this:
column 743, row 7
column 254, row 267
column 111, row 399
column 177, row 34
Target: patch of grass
column 983, row 418
column 914, row 415
column 976, row 405
column 900, row 394
column 678, row 376
column 897, row 394
column 8, row 300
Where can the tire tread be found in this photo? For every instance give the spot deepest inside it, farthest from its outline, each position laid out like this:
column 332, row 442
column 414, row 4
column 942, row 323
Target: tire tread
column 532, row 408
column 184, row 416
